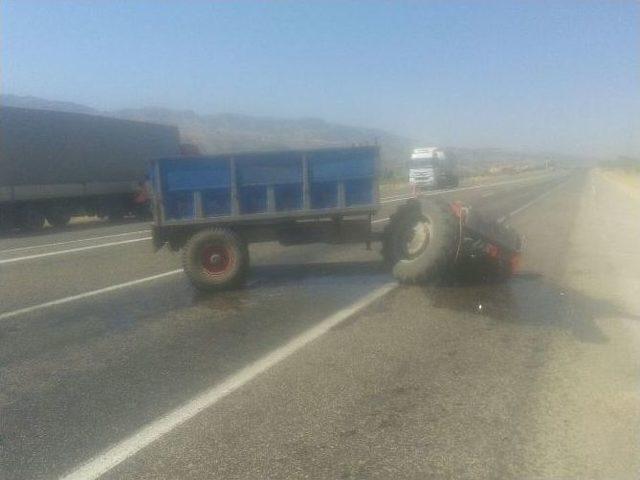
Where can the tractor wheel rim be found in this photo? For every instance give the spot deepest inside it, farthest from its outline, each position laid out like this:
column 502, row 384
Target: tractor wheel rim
column 216, row 259
column 418, row 237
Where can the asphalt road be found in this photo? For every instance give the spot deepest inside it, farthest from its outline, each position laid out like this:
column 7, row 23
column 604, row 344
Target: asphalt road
column 322, row 367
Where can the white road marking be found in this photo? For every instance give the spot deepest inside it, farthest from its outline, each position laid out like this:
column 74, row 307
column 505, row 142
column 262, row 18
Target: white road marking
column 389, row 197
column 71, row 250
column 384, row 200
column 80, row 296
column 471, row 187
column 173, row 272
column 393, row 200
column 125, row 449
column 531, row 202
column 380, row 220
column 68, row 242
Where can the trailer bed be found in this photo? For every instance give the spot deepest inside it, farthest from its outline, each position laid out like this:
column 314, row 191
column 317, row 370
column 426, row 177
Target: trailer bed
column 259, row 187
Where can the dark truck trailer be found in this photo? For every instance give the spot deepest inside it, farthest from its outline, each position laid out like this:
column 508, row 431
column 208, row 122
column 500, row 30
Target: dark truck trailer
column 213, row 207
column 57, row 164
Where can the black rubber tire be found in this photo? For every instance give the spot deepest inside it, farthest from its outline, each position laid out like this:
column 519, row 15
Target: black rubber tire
column 58, row 216
column 232, row 276
column 115, row 210
column 6, row 221
column 434, row 254
column 116, row 215
column 30, row 219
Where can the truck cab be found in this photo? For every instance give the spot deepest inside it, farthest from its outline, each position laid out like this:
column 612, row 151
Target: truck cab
column 431, row 168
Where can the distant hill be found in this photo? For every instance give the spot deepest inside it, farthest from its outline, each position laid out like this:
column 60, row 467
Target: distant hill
column 230, row 132
column 44, row 104
column 227, row 132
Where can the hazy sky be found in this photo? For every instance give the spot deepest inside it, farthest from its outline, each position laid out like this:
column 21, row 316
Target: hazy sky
column 556, row 75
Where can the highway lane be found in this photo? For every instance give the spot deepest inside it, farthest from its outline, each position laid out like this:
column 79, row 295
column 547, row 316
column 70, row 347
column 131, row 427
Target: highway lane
column 99, row 232
column 31, row 281
column 534, row 378
column 80, row 376
column 50, row 238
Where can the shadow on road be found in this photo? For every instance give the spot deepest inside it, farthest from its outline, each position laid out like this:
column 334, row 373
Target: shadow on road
column 293, row 273
column 530, row 299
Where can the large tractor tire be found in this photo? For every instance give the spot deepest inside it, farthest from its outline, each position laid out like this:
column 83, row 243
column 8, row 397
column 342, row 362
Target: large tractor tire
column 116, row 214
column 216, row 259
column 420, row 241
column 30, row 219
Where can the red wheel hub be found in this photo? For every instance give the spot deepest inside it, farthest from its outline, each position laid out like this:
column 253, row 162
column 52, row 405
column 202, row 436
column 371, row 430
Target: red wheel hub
column 216, row 259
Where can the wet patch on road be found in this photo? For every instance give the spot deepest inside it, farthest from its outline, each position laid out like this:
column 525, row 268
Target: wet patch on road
column 529, row 299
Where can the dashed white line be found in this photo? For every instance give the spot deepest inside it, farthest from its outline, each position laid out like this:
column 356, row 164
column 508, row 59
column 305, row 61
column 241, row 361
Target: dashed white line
column 69, row 242
column 117, row 454
column 80, row 296
column 71, row 250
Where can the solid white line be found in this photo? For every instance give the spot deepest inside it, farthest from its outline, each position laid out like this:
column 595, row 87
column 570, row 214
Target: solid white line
column 123, row 450
column 80, row 296
column 389, row 197
column 531, row 202
column 472, row 187
column 382, row 201
column 88, row 239
column 72, row 250
column 501, row 219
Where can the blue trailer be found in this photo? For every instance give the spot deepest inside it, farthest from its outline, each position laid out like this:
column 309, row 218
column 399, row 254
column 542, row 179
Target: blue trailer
column 213, row 207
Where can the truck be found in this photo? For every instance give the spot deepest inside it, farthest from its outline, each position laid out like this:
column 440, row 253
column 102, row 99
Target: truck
column 54, row 165
column 212, row 207
column 432, row 168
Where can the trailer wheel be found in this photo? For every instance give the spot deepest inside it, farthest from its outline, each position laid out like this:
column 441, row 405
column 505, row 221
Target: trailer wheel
column 215, row 259
column 30, row 219
column 420, row 241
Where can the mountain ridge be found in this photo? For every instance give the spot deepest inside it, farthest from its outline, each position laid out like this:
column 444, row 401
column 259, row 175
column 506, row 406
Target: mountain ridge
column 232, row 132
column 228, row 132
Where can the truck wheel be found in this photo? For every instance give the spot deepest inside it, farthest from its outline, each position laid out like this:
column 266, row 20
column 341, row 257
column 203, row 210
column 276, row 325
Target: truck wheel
column 58, row 216
column 420, row 241
column 6, row 220
column 215, row 259
column 114, row 209
column 116, row 215
column 30, row 219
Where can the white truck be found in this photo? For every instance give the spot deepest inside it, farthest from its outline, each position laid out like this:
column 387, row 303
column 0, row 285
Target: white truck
column 431, row 168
